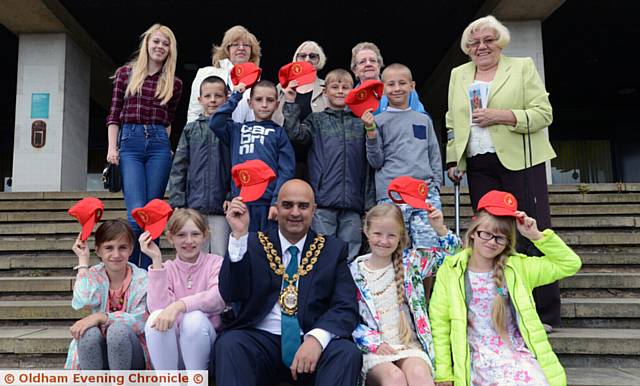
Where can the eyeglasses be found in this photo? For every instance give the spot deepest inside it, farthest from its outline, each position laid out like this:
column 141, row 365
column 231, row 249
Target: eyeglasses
column 486, row 42
column 239, row 45
column 487, row 236
column 311, row 56
column 363, row 62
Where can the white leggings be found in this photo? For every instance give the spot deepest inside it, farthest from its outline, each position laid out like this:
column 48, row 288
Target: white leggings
column 187, row 347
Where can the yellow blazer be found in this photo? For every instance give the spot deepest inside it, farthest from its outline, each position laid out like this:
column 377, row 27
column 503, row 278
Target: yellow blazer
column 516, row 87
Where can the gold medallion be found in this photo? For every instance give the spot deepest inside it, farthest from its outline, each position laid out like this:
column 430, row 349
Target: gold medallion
column 289, row 300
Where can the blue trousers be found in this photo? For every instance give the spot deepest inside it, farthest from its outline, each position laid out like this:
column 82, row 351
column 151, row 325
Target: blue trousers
column 145, row 162
column 251, row 357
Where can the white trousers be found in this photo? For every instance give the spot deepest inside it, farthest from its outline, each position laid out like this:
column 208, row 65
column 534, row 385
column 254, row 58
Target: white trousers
column 186, row 347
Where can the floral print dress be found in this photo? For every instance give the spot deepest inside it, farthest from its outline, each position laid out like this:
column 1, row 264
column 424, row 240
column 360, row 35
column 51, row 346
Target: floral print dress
column 495, row 362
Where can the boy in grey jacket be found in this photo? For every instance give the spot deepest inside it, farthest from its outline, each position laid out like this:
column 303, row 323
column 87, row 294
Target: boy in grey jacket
column 201, row 173
column 402, row 142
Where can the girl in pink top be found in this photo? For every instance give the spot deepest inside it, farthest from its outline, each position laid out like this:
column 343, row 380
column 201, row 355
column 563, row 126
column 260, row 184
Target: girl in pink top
column 183, row 296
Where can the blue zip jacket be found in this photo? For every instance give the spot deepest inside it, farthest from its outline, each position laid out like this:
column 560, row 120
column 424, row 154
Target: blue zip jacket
column 337, row 155
column 263, row 140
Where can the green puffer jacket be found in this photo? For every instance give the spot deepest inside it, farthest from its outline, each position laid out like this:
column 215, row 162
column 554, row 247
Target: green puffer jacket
column 448, row 309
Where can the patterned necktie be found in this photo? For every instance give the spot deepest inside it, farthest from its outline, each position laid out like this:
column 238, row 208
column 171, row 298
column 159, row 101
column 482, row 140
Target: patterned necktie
column 289, row 326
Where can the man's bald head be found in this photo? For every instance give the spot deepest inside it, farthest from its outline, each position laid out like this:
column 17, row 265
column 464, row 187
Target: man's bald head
column 296, row 205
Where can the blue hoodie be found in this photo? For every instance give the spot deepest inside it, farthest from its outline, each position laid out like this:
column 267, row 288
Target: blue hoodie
column 264, row 140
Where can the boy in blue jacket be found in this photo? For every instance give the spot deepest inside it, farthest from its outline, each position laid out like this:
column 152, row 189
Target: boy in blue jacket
column 337, row 159
column 260, row 139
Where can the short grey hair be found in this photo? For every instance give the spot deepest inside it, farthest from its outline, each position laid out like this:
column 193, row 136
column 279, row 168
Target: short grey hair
column 487, row 22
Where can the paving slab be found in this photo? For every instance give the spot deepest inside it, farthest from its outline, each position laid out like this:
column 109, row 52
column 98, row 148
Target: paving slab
column 617, row 280
column 600, row 341
column 601, row 308
column 38, row 310
column 602, row 376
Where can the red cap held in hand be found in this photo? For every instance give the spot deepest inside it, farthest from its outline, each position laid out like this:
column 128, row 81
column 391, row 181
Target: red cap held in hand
column 410, row 191
column 153, row 217
column 499, row 203
column 302, row 72
column 364, row 97
column 252, row 177
column 88, row 212
column 247, row 73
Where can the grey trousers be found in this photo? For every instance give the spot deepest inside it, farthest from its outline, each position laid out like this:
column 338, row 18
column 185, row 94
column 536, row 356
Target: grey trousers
column 346, row 225
column 119, row 350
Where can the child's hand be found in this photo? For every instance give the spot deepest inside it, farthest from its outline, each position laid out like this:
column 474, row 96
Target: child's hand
column 168, row 316
column 240, row 87
column 273, row 213
column 81, row 250
column 225, row 206
column 436, row 220
column 78, row 329
column 367, row 118
column 149, row 248
column 386, row 349
column 238, row 217
column 527, row 226
column 290, row 92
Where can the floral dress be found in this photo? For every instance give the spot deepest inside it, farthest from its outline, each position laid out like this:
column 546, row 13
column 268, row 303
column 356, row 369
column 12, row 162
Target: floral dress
column 383, row 287
column 495, row 362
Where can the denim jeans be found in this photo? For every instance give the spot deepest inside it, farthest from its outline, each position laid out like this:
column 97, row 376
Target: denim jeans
column 145, row 162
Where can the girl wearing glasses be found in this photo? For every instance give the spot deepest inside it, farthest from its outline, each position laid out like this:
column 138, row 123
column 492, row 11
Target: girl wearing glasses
column 238, row 46
column 484, row 322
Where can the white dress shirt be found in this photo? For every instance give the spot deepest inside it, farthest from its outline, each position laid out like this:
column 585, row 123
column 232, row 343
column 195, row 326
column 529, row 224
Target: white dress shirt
column 271, row 322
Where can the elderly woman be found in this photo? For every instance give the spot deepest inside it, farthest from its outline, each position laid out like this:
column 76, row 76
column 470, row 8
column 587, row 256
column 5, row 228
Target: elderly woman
column 309, row 97
column 502, row 145
column 238, row 46
column 366, row 64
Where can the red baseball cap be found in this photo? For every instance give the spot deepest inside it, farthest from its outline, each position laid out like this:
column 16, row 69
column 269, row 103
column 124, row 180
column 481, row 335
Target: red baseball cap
column 499, row 203
column 252, row 177
column 247, row 73
column 153, row 217
column 366, row 96
column 408, row 190
column 302, row 72
column 88, row 212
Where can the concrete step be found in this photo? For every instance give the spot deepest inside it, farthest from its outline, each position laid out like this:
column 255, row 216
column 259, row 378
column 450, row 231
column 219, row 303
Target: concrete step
column 35, row 340
column 52, row 205
column 604, row 238
column 47, row 244
column 22, row 285
column 37, row 310
column 567, row 198
column 609, row 256
column 613, row 313
column 47, row 216
column 597, row 347
column 16, row 196
column 577, row 376
column 569, row 188
column 32, row 361
column 605, row 280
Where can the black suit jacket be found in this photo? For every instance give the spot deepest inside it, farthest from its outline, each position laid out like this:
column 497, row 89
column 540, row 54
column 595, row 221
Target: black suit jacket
column 326, row 295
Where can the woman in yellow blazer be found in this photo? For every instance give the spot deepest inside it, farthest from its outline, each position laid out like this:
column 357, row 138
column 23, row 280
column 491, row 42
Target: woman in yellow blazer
column 502, row 145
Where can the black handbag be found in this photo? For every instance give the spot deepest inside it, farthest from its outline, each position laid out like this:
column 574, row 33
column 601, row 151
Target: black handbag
column 111, row 177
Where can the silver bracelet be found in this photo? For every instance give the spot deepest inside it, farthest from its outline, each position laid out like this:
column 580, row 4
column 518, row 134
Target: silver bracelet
column 77, row 267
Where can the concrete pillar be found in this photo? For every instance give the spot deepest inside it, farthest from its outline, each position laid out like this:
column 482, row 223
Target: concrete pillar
column 526, row 40
column 52, row 87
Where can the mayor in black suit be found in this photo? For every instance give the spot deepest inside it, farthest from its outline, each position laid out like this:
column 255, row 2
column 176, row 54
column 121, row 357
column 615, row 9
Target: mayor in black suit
column 295, row 321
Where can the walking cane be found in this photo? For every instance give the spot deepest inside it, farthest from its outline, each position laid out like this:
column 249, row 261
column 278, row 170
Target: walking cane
column 457, row 205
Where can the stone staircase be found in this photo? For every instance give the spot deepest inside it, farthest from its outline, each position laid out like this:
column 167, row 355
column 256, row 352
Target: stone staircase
column 599, row 343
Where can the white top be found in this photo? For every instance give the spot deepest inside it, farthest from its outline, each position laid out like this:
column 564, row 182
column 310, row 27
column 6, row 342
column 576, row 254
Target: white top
column 271, row 322
column 479, row 138
column 241, row 114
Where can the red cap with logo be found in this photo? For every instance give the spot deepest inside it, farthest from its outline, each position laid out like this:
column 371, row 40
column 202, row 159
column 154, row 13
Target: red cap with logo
column 153, row 217
column 247, row 73
column 301, row 72
column 252, row 177
column 364, row 97
column 499, row 203
column 88, row 212
column 408, row 190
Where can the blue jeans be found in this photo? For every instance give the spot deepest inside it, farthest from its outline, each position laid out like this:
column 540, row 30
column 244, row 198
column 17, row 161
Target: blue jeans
column 145, row 162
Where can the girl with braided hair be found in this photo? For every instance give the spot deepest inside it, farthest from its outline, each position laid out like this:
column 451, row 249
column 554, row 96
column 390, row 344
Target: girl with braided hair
column 394, row 332
column 485, row 327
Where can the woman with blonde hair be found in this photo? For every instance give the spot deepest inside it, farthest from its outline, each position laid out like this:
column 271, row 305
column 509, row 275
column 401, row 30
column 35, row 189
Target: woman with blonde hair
column 238, row 46
column 394, row 334
column 485, row 327
column 145, row 95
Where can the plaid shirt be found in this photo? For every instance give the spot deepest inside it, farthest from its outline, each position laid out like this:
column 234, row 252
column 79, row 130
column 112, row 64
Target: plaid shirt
column 143, row 108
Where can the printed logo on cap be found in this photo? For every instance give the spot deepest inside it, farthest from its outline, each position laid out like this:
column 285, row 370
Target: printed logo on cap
column 508, row 200
column 362, row 95
column 296, row 68
column 422, row 189
column 244, row 176
column 239, row 70
column 143, row 216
